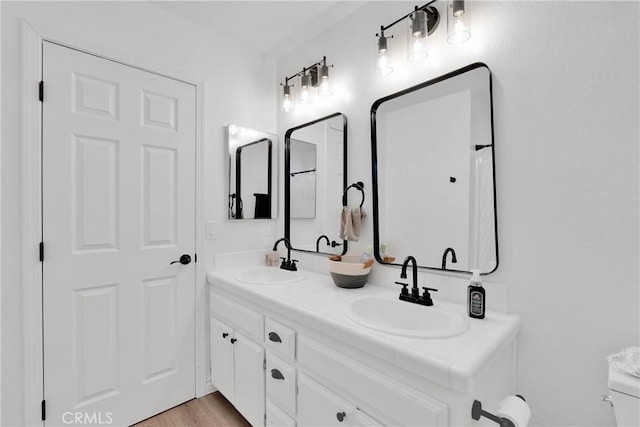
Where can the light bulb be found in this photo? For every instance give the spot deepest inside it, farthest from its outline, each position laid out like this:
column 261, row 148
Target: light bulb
column 382, row 64
column 287, row 105
column 325, row 88
column 417, row 50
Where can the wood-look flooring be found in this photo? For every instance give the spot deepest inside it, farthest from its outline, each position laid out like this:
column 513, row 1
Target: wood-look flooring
column 212, row 410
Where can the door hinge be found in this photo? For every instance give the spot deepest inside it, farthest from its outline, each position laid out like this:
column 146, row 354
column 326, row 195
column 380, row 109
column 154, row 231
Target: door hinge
column 41, row 251
column 43, row 408
column 41, row 91
column 195, row 257
column 264, row 364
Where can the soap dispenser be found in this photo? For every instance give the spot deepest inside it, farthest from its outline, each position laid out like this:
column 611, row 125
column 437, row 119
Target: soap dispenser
column 476, row 302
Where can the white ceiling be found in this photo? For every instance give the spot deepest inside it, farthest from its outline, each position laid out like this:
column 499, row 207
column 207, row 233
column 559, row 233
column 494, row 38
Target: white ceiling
column 274, row 27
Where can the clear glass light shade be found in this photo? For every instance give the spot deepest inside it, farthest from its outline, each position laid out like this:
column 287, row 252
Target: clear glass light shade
column 383, row 62
column 417, row 36
column 304, row 96
column 324, row 86
column 383, row 65
column 286, row 102
column 458, row 28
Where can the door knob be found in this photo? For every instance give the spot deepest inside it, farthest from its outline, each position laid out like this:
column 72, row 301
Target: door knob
column 341, row 416
column 184, row 260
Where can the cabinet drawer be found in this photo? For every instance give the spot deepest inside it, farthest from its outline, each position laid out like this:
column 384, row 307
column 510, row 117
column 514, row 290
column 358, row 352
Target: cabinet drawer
column 238, row 316
column 374, row 391
column 277, row 418
column 281, row 384
column 280, row 339
column 318, row 406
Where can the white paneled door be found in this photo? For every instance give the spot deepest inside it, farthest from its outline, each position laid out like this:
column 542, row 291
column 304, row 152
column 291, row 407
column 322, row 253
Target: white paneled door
column 118, row 159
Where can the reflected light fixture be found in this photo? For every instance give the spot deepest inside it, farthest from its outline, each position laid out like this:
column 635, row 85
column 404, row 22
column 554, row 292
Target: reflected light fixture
column 458, row 28
column 422, row 22
column 313, row 76
column 383, row 63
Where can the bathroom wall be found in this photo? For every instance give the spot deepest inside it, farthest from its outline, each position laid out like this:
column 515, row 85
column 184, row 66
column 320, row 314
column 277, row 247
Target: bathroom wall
column 565, row 85
column 239, row 89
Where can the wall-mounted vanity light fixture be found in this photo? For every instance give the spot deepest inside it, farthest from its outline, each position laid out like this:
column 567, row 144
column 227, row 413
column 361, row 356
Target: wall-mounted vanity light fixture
column 421, row 23
column 315, row 76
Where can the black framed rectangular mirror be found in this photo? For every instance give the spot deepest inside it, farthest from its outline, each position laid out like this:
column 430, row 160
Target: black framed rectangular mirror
column 315, row 176
column 253, row 173
column 433, row 174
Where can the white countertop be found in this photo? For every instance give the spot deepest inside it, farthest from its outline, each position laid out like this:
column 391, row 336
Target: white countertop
column 317, row 303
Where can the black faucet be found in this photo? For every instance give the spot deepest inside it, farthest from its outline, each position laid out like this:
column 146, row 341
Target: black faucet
column 444, row 257
column 415, row 296
column 415, row 292
column 318, row 242
column 288, row 263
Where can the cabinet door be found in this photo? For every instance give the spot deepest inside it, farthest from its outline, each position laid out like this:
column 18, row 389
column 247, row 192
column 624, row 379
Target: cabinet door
column 222, row 358
column 249, row 379
column 277, row 418
column 281, row 384
column 317, row 406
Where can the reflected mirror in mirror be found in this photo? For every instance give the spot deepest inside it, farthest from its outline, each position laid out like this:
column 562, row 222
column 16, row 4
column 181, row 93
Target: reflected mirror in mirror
column 252, row 173
column 302, row 178
column 315, row 176
column 433, row 172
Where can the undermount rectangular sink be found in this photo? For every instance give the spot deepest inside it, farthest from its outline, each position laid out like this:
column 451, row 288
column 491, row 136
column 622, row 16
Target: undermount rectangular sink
column 401, row 318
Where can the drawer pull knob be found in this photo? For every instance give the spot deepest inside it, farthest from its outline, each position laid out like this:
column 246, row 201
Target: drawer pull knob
column 274, row 337
column 225, row 334
column 233, row 340
column 341, row 416
column 277, row 375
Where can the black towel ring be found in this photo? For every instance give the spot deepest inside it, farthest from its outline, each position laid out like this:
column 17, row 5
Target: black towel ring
column 360, row 186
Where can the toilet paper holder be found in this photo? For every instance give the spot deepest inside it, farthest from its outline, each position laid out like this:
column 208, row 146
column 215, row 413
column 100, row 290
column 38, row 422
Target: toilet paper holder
column 477, row 412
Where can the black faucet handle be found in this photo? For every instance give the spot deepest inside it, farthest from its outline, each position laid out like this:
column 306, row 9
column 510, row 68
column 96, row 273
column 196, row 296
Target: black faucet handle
column 404, row 290
column 293, row 265
column 426, row 297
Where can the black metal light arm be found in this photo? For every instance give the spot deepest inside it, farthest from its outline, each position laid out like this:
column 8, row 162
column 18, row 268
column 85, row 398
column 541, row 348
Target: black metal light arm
column 423, row 7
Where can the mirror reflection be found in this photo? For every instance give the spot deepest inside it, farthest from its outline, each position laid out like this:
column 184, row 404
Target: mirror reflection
column 315, row 177
column 302, row 178
column 433, row 169
column 252, row 173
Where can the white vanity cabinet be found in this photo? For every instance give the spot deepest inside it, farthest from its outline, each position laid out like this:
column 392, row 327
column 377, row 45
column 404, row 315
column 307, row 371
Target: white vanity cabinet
column 284, row 369
column 237, row 362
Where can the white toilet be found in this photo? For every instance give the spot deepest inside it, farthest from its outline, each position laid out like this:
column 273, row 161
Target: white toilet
column 625, row 397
